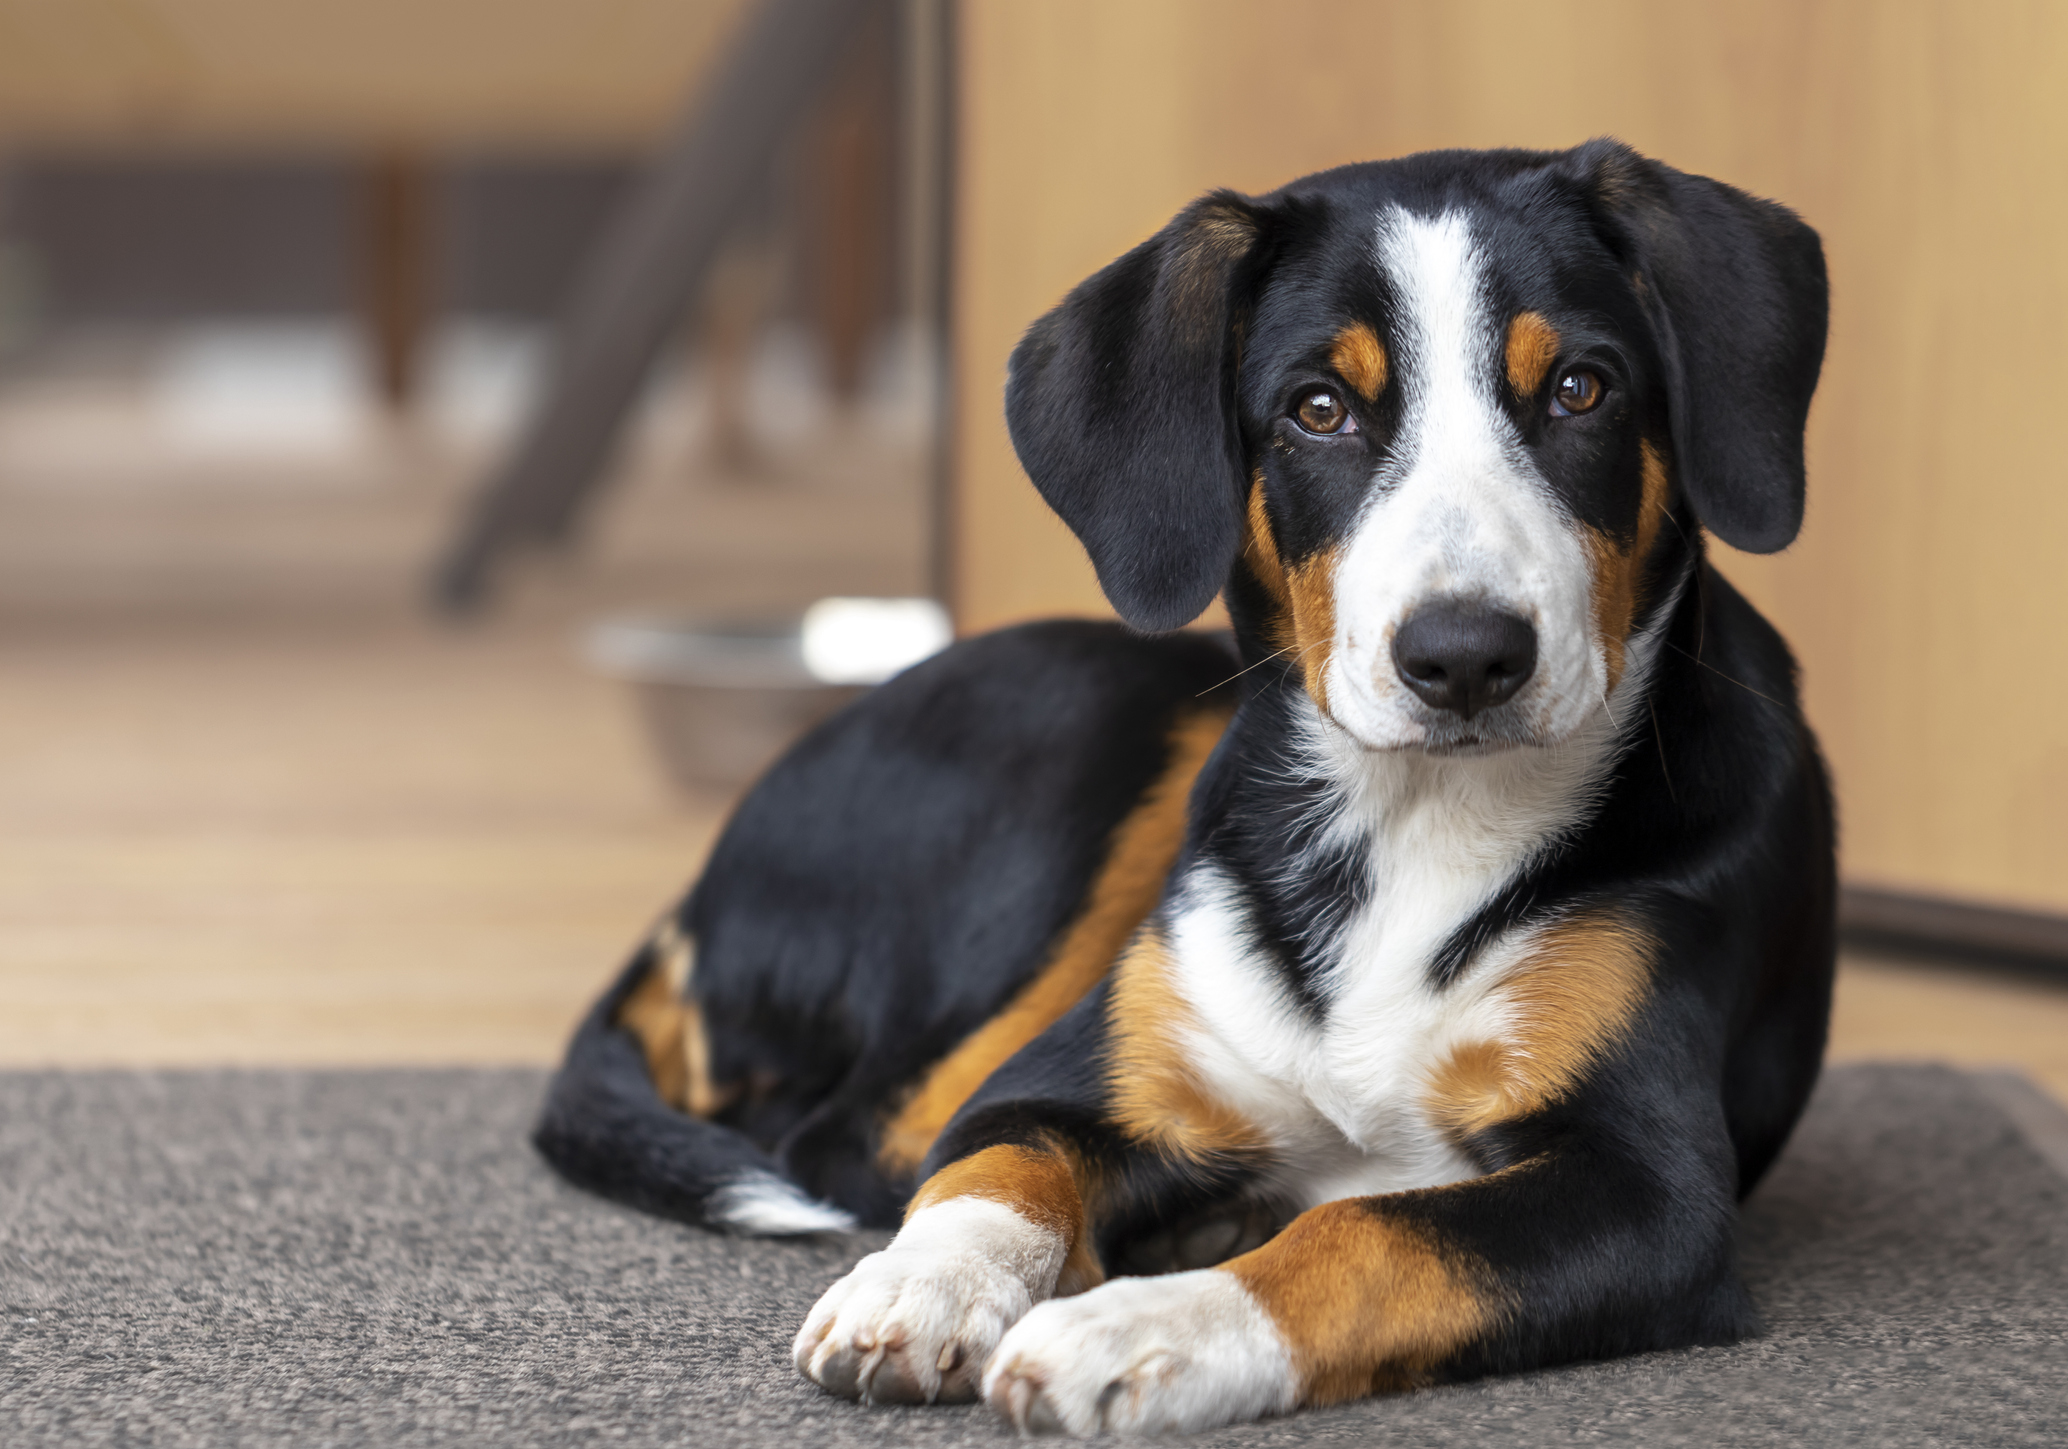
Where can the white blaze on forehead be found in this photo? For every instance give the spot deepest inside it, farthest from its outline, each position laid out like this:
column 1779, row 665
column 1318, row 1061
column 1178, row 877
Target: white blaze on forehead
column 1434, row 267
column 1457, row 510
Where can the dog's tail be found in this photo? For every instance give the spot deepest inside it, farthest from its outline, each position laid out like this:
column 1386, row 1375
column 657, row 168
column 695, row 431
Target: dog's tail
column 607, row 1125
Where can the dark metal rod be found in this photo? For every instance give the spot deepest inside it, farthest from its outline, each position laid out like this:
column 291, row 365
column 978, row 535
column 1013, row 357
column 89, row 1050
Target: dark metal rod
column 1909, row 924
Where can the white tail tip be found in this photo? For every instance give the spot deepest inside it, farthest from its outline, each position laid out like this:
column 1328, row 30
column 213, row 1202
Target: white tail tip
column 765, row 1206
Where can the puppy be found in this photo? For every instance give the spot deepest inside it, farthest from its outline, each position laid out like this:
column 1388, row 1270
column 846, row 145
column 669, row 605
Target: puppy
column 1407, row 995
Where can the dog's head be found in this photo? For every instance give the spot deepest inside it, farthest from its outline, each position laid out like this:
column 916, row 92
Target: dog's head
column 1439, row 425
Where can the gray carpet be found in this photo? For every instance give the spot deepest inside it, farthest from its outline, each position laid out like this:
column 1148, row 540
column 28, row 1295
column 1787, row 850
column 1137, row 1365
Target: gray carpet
column 375, row 1258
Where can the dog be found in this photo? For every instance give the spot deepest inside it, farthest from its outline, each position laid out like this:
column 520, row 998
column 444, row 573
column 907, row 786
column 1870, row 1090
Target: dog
column 1407, row 994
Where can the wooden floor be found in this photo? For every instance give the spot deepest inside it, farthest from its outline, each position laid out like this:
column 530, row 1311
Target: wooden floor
column 1894, row 1011
column 319, row 844
column 255, row 807
column 385, row 842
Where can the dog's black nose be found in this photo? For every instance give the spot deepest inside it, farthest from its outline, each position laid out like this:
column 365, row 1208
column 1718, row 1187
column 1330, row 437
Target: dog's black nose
column 1464, row 656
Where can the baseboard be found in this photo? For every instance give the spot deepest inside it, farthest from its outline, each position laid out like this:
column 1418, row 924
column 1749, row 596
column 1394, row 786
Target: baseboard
column 1954, row 932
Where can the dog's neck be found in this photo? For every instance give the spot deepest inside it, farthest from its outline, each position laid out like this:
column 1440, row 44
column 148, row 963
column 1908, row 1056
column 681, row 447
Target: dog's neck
column 1317, row 832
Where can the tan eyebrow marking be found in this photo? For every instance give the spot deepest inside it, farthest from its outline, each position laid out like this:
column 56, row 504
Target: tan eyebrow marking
column 1532, row 348
column 1360, row 358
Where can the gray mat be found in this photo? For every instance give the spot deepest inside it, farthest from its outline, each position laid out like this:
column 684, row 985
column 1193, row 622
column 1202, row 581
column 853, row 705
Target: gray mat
column 376, row 1258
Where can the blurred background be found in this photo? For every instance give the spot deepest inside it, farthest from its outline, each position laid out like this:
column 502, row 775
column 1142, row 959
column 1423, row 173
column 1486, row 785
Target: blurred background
column 417, row 420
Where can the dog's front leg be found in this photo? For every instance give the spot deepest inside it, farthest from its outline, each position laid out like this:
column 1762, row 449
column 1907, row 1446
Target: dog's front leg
column 1572, row 1254
column 984, row 1240
column 1343, row 1303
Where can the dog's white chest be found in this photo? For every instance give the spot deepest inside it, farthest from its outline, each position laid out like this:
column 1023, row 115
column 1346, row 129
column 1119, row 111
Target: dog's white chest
column 1341, row 1094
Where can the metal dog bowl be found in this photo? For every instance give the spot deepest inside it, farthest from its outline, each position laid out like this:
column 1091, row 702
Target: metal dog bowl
column 723, row 698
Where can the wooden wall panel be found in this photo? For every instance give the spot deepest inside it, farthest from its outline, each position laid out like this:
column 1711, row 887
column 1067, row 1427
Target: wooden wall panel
column 1926, row 140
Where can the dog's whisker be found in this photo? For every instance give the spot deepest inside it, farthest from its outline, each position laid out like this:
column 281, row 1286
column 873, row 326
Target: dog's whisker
column 1242, row 671
column 1721, row 675
column 1660, row 740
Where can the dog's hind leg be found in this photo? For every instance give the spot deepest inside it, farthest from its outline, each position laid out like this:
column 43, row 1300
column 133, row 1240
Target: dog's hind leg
column 625, row 1115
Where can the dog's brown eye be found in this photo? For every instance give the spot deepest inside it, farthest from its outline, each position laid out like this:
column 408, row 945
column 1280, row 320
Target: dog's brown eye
column 1322, row 412
column 1579, row 391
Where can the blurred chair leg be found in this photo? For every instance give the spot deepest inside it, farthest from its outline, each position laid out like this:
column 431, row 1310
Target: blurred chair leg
column 737, row 308
column 850, row 204
column 395, row 247
column 638, row 282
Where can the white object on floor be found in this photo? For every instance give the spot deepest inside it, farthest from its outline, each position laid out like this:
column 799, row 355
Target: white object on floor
column 866, row 641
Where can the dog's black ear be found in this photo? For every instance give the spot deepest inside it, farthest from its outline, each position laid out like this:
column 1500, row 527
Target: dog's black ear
column 1735, row 286
column 1122, row 408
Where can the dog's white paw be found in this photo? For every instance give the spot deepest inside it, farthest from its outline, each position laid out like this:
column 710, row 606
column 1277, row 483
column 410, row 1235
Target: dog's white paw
column 1143, row 1355
column 917, row 1322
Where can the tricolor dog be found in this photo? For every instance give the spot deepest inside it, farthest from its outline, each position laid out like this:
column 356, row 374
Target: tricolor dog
column 1408, row 995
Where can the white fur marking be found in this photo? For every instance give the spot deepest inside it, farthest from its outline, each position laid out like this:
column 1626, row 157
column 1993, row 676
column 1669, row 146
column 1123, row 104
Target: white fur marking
column 766, row 1206
column 1174, row 1354
column 1460, row 511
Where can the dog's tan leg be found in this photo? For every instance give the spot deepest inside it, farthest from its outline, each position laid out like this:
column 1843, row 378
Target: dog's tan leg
column 1365, row 1304
column 1343, row 1303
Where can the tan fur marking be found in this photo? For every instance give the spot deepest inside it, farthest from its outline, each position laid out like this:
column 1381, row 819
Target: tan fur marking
column 655, row 1015
column 1577, row 992
column 1261, row 550
column 1046, row 1185
column 1532, row 348
column 1359, row 358
column 1156, row 1098
column 1305, row 594
column 1312, row 584
column 1143, row 848
column 701, row 1096
column 1618, row 571
column 1366, row 1304
column 670, row 1028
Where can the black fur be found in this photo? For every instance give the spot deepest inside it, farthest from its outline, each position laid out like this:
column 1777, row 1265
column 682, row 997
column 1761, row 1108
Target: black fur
column 605, row 1128
column 1119, row 403
column 884, row 890
column 1736, row 291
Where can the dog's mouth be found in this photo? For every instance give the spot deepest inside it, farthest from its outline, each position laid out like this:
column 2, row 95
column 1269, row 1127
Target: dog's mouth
column 1453, row 745
column 1468, row 746
column 1493, row 732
